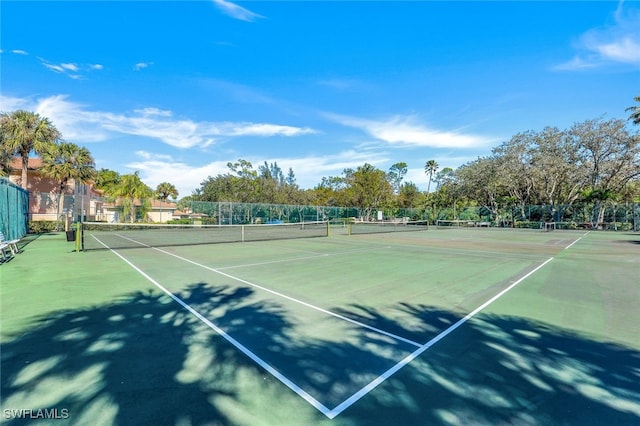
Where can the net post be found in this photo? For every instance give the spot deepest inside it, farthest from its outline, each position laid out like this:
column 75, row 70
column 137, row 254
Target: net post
column 78, row 227
column 328, row 229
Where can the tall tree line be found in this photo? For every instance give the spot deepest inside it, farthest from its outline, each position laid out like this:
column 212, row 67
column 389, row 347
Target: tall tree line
column 595, row 161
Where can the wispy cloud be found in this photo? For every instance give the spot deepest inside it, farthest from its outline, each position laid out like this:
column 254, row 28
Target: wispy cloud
column 19, row 52
column 406, row 131
column 80, row 124
column 616, row 43
column 235, row 11
column 142, row 65
column 70, row 69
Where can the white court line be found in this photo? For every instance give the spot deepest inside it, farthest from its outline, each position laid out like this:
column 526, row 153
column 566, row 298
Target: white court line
column 363, row 391
column 275, row 373
column 284, row 296
column 372, row 385
column 579, row 238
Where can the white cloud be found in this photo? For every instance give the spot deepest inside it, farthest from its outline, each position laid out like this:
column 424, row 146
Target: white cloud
column 79, row 124
column 263, row 129
column 625, row 49
column 19, row 52
column 70, row 67
column 71, row 70
column 142, row 65
column 235, row 11
column 152, row 156
column 74, row 122
column 53, row 67
column 153, row 111
column 405, row 131
column 617, row 43
column 11, row 104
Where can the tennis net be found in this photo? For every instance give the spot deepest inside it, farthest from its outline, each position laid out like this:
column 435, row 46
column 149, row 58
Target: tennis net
column 97, row 235
column 391, row 226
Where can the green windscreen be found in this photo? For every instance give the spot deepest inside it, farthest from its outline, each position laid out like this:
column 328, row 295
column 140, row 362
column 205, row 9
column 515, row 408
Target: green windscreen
column 14, row 210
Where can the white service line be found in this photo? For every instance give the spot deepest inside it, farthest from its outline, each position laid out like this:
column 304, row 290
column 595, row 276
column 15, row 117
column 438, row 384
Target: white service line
column 579, row 238
column 372, row 385
column 284, row 296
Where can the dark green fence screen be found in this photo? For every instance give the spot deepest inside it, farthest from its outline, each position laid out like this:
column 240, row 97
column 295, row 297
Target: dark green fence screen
column 14, row 210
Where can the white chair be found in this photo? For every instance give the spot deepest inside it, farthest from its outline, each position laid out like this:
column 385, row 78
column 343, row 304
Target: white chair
column 12, row 245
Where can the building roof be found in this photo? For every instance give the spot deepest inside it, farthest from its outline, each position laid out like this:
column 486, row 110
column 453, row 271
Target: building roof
column 16, row 163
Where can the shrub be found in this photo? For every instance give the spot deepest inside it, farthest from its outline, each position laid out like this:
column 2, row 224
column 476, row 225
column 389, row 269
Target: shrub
column 41, row 226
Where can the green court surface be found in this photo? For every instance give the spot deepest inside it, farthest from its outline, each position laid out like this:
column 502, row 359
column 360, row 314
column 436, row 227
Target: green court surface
column 437, row 327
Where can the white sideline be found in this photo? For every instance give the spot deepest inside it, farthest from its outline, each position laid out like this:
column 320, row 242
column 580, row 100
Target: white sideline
column 275, row 373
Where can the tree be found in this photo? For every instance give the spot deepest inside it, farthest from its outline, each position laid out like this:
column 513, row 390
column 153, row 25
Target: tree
column 409, row 196
column 165, row 190
column 396, row 174
column 330, row 191
column 130, row 190
column 5, row 160
column 635, row 111
column 610, row 158
column 66, row 161
column 107, row 180
column 480, row 181
column 22, row 132
column 369, row 188
column 516, row 157
column 430, row 168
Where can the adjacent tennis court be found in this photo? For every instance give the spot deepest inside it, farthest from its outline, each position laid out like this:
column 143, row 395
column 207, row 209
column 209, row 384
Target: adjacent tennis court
column 440, row 326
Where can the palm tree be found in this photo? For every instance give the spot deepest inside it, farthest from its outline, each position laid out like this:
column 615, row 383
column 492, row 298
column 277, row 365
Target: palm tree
column 22, row 132
column 430, row 168
column 165, row 190
column 66, row 161
column 131, row 189
column 5, row 160
column 635, row 111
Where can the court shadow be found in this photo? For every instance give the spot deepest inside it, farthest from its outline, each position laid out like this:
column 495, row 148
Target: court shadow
column 146, row 360
column 141, row 360
column 505, row 370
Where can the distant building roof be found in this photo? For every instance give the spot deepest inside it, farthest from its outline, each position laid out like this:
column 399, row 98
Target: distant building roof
column 16, row 163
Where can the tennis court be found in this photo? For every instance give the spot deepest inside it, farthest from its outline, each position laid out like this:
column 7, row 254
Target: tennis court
column 438, row 326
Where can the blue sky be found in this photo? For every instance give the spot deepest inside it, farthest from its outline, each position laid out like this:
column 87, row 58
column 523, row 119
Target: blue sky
column 176, row 90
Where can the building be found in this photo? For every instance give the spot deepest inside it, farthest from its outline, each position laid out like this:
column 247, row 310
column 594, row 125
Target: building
column 159, row 212
column 77, row 201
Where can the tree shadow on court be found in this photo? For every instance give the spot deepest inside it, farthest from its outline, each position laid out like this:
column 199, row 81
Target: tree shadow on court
column 141, row 360
column 146, row 360
column 503, row 370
